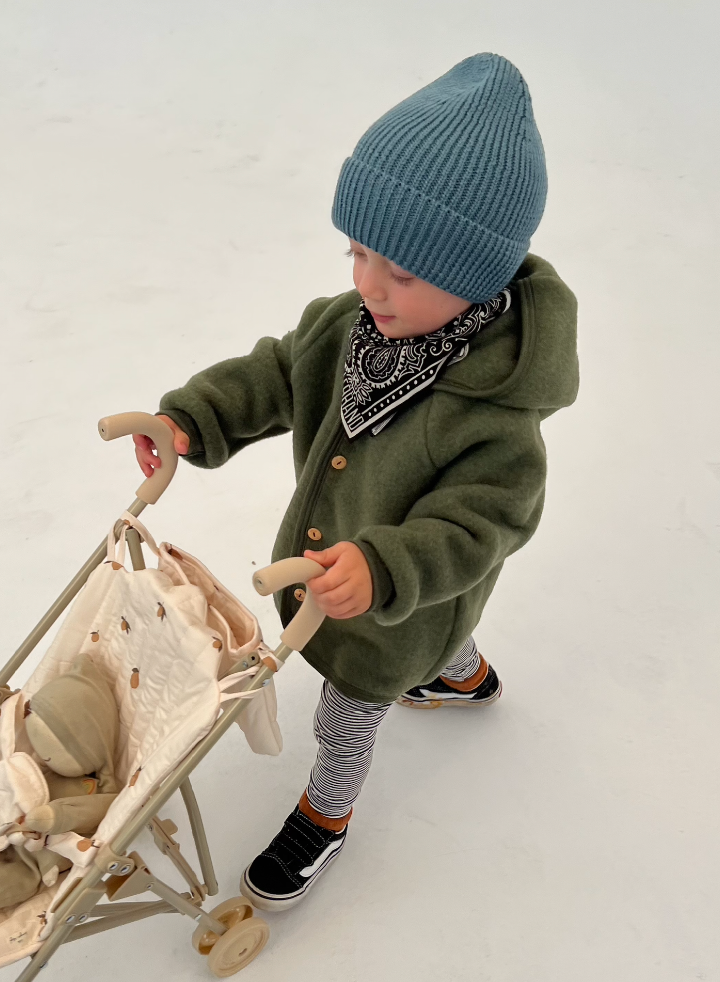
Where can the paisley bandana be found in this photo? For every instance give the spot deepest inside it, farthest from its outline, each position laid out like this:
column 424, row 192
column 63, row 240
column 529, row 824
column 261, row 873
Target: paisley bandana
column 382, row 375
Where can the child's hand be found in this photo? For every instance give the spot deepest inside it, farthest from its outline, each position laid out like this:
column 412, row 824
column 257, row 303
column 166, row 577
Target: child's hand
column 144, row 447
column 346, row 589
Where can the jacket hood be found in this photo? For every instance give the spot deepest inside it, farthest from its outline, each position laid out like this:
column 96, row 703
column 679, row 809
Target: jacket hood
column 527, row 358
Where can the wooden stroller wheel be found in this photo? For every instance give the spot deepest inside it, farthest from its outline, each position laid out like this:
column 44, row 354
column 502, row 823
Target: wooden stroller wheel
column 238, row 947
column 229, row 913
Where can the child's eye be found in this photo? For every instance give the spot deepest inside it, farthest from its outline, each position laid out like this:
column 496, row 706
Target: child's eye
column 404, row 280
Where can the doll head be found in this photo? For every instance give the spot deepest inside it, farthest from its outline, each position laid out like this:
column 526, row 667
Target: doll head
column 73, row 724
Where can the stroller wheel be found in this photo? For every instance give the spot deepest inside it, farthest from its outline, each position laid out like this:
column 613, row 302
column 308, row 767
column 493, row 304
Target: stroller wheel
column 238, row 947
column 229, row 913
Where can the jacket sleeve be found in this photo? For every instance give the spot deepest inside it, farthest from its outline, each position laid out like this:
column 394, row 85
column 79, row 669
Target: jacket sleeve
column 236, row 402
column 485, row 504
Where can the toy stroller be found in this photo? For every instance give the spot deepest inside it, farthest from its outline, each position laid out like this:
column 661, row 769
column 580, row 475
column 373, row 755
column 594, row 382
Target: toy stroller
column 185, row 661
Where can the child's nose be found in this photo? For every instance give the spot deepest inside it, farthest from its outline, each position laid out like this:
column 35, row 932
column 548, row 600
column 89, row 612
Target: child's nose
column 369, row 283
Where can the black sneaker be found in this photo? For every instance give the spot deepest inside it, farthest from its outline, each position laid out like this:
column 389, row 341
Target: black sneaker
column 280, row 876
column 439, row 693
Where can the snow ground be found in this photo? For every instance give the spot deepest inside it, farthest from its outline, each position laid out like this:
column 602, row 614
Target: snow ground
column 166, row 179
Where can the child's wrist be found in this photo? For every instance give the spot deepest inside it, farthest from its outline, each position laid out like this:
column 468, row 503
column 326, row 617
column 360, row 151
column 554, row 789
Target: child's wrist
column 382, row 584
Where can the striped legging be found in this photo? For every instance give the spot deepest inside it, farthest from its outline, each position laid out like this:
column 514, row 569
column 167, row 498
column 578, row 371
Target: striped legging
column 345, row 730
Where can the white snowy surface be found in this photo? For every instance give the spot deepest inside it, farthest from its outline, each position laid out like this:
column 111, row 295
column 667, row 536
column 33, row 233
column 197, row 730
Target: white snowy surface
column 165, row 186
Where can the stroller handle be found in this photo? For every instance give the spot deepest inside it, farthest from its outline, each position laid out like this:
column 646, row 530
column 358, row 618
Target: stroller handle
column 124, row 424
column 284, row 573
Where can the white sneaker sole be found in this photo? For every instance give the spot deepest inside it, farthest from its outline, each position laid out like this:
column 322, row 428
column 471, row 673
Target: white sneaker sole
column 441, row 703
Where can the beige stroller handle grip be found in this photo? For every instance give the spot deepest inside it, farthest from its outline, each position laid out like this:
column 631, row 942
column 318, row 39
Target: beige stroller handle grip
column 124, row 424
column 284, row 573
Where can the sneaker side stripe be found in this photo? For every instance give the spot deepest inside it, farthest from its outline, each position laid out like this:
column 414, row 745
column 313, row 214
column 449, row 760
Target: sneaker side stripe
column 428, row 693
column 309, row 871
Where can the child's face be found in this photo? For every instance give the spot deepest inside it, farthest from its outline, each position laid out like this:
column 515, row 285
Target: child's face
column 402, row 305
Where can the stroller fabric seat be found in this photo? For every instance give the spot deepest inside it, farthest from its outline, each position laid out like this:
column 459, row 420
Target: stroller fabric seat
column 164, row 639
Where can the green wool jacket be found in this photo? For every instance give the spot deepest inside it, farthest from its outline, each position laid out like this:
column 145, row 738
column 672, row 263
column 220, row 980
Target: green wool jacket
column 436, row 501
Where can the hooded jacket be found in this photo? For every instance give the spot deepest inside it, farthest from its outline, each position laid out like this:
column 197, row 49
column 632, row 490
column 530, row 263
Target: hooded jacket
column 436, row 501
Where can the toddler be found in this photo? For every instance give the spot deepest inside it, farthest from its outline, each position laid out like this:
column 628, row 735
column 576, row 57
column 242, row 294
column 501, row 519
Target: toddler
column 415, row 403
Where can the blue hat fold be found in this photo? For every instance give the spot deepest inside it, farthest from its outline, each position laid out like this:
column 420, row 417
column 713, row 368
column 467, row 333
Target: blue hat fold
column 451, row 183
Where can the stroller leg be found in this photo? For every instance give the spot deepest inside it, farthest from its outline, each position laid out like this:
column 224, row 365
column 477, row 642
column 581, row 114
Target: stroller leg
column 163, row 832
column 201, row 843
column 184, row 906
column 43, row 955
column 110, row 920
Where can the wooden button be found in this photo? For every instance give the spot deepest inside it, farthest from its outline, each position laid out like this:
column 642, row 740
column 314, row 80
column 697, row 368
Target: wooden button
column 339, row 462
column 315, row 534
column 299, row 594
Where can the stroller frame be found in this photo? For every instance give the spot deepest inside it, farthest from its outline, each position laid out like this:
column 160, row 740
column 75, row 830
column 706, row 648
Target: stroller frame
column 115, row 873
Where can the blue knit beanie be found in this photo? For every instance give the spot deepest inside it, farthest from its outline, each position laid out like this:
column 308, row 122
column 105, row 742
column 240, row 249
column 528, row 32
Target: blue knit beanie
column 451, row 183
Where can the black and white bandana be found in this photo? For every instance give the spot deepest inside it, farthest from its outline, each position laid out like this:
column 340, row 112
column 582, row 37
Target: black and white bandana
column 382, row 374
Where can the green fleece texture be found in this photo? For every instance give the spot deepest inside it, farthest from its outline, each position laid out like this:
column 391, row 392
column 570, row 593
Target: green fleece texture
column 437, row 501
